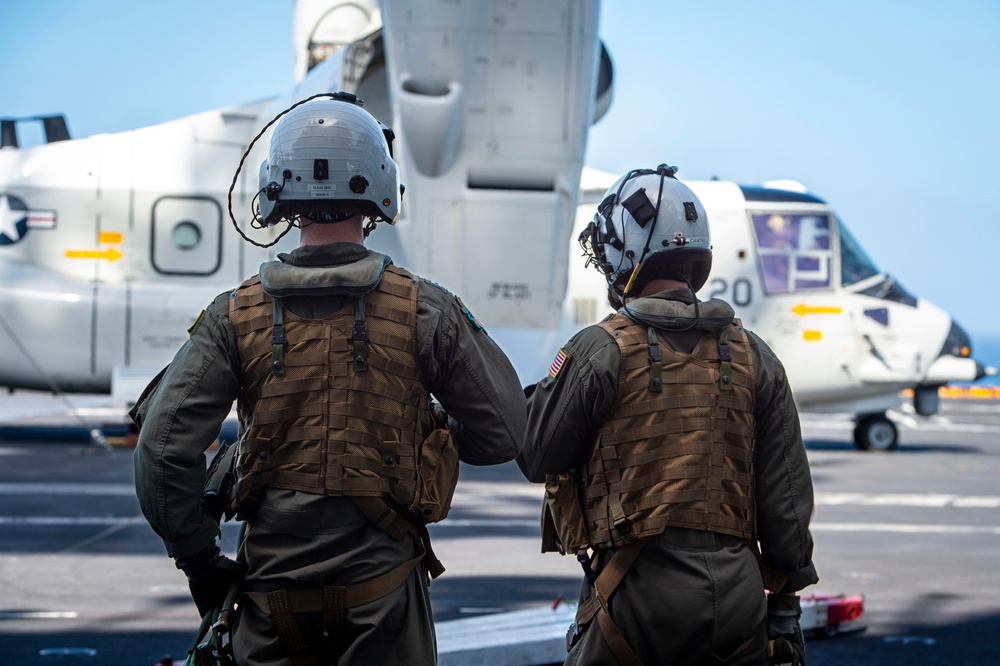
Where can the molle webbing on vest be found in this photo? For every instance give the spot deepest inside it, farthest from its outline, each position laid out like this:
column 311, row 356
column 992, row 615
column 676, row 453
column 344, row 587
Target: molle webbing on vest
column 323, row 427
column 680, row 457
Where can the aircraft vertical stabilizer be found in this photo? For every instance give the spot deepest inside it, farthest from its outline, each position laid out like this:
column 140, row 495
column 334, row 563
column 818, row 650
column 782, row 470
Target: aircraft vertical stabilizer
column 491, row 108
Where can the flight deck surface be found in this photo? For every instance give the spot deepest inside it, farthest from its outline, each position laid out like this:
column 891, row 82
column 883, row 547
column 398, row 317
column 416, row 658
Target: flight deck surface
column 83, row 580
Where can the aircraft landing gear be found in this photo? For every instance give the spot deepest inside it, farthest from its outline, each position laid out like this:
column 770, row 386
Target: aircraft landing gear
column 875, row 432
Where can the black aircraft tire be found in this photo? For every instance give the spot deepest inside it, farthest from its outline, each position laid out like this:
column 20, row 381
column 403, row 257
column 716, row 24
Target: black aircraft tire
column 826, row 631
column 876, row 433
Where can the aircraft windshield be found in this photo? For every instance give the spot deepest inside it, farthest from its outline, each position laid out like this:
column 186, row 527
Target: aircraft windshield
column 855, row 265
column 794, row 250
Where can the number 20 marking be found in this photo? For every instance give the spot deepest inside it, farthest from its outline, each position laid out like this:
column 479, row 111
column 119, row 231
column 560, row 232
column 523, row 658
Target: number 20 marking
column 742, row 290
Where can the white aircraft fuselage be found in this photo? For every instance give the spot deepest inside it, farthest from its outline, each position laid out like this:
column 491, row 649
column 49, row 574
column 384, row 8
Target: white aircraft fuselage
column 111, row 245
column 850, row 337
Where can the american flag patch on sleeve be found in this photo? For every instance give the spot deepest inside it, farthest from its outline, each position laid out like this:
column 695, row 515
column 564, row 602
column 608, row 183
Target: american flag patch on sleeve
column 557, row 364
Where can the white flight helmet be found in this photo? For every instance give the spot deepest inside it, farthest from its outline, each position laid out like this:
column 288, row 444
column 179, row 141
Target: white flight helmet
column 329, row 159
column 649, row 225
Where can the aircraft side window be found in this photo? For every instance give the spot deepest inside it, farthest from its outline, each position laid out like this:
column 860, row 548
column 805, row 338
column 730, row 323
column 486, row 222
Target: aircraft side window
column 186, row 235
column 793, row 250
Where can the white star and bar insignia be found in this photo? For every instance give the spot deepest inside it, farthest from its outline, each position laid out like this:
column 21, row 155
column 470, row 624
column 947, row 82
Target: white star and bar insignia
column 16, row 218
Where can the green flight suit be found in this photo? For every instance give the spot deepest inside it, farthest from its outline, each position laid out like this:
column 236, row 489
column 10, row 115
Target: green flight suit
column 691, row 597
column 303, row 541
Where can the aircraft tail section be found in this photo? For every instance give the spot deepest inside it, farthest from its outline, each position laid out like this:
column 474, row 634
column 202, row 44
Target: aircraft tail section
column 491, row 132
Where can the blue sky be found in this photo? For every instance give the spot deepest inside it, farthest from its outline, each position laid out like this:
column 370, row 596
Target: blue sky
column 888, row 110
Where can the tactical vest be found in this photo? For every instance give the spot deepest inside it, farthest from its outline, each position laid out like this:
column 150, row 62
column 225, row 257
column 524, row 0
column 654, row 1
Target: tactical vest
column 338, row 404
column 678, row 448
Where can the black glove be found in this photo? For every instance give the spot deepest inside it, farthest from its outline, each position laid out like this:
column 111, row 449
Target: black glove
column 783, row 613
column 210, row 574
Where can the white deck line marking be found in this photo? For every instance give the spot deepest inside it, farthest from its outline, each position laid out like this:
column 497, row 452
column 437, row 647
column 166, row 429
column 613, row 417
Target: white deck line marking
column 908, row 499
column 919, row 426
column 899, row 528
column 52, row 521
column 37, row 615
column 55, row 521
column 115, row 489
column 486, row 491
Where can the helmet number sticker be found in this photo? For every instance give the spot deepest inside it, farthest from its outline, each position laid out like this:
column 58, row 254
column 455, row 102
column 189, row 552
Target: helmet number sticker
column 320, row 190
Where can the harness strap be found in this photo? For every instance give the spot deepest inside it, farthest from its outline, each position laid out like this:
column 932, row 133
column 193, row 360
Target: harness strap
column 359, row 336
column 616, row 642
column 334, row 615
column 382, row 516
column 655, row 362
column 725, row 363
column 332, row 600
column 431, row 561
column 278, row 340
column 742, row 646
column 280, row 607
column 597, row 604
column 390, row 521
column 620, row 522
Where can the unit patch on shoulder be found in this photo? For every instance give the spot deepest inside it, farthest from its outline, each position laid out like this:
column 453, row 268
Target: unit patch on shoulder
column 557, row 364
column 433, row 283
column 468, row 314
column 194, row 324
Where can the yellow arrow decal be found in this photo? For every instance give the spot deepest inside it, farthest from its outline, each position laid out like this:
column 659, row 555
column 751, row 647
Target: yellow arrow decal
column 111, row 254
column 802, row 310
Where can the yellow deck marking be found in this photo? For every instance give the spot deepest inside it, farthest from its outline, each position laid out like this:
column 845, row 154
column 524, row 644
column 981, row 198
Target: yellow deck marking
column 109, row 237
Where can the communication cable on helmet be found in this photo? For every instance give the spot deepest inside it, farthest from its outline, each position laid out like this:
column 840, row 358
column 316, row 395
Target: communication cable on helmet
column 663, row 173
column 318, row 206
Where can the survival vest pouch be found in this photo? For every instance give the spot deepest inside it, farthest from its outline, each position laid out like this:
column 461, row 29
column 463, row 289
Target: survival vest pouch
column 438, row 475
column 564, row 529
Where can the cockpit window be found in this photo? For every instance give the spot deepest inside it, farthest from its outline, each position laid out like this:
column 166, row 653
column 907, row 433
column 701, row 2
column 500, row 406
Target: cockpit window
column 889, row 290
column 855, row 265
column 794, row 250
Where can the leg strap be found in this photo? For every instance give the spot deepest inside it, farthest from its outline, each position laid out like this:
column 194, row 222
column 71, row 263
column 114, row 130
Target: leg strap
column 280, row 607
column 334, row 616
column 598, row 603
column 743, row 646
column 332, row 600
